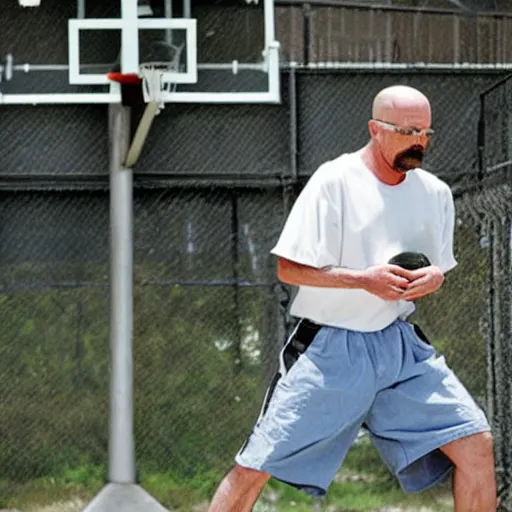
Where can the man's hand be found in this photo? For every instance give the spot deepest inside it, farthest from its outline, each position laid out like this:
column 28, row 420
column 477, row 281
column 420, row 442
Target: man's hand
column 424, row 281
column 389, row 282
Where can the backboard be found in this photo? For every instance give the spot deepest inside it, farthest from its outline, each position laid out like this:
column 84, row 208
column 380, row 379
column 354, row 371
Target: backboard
column 215, row 51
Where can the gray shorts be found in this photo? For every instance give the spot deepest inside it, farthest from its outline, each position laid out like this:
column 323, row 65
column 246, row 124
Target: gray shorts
column 331, row 382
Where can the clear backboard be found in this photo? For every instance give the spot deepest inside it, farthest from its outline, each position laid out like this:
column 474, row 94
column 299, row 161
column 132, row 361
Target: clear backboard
column 62, row 51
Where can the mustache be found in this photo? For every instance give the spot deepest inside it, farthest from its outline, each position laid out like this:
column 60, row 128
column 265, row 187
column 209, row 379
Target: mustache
column 410, row 159
column 414, row 152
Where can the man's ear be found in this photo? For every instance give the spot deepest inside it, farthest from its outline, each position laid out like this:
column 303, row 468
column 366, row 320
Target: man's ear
column 372, row 128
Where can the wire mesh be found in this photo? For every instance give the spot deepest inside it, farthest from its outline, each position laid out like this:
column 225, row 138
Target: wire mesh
column 54, row 355
column 205, row 326
column 494, row 203
column 210, row 316
column 211, row 142
column 496, row 129
column 207, row 329
column 64, row 140
column 346, row 101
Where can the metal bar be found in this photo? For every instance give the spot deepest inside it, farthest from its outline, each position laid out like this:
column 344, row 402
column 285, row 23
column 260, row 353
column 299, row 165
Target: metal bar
column 248, row 66
column 28, row 68
column 456, row 39
column 274, row 75
column 168, row 14
column 221, row 97
column 73, row 51
column 270, row 27
column 191, row 49
column 292, row 105
column 168, row 9
column 130, row 36
column 481, row 139
column 80, row 9
column 306, row 13
column 499, row 166
column 229, row 67
column 237, row 347
column 385, row 66
column 122, row 446
column 506, row 269
column 389, row 37
column 187, row 8
column 388, row 7
column 62, row 99
column 143, row 180
column 496, row 85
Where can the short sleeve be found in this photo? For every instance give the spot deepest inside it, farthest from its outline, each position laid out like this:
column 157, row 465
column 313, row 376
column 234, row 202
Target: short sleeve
column 312, row 232
column 447, row 259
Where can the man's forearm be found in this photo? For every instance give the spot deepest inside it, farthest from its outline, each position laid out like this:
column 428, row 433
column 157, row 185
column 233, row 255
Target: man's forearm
column 296, row 274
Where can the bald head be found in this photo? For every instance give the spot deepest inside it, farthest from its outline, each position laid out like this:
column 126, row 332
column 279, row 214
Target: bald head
column 399, row 128
column 403, row 106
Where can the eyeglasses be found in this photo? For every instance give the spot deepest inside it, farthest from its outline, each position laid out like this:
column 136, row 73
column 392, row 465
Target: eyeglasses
column 406, row 131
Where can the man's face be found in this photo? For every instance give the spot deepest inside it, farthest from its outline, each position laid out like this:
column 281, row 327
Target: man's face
column 403, row 146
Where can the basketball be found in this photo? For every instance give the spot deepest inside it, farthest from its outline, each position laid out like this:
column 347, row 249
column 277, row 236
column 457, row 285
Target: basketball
column 410, row 260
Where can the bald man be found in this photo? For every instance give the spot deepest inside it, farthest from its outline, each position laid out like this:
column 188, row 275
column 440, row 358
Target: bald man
column 354, row 360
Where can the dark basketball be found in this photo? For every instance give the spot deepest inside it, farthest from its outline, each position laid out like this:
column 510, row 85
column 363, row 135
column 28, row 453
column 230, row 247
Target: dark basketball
column 410, row 260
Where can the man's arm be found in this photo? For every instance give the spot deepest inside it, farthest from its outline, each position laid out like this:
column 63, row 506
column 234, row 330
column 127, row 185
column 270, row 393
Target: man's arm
column 386, row 281
column 296, row 274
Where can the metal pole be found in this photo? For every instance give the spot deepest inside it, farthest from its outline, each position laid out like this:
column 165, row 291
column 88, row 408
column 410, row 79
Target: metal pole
column 130, row 37
column 270, row 26
column 292, row 102
column 306, row 13
column 122, row 445
column 80, row 9
column 168, row 14
column 121, row 493
column 237, row 349
column 481, row 141
column 187, row 8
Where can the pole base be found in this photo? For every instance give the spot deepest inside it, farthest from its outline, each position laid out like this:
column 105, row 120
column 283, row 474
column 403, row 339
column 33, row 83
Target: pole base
column 125, row 498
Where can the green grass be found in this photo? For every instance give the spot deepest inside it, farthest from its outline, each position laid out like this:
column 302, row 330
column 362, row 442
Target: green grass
column 76, row 483
column 363, row 485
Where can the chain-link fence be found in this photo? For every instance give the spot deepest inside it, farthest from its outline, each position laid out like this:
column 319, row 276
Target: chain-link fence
column 493, row 203
column 209, row 321
column 209, row 313
column 207, row 327
column 214, row 184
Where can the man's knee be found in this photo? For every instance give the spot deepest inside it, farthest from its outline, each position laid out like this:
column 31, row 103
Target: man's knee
column 473, row 452
column 248, row 476
column 249, row 473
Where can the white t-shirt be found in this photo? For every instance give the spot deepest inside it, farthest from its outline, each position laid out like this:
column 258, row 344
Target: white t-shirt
column 346, row 217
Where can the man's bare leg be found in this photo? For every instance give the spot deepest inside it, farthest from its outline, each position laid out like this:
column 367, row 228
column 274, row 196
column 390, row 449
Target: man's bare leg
column 474, row 480
column 239, row 490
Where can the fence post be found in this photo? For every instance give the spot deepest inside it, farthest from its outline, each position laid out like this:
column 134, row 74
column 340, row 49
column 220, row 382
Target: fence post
column 293, row 115
column 306, row 13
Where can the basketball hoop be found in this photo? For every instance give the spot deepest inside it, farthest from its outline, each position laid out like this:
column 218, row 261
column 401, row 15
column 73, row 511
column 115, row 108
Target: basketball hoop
column 154, row 88
column 151, row 77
